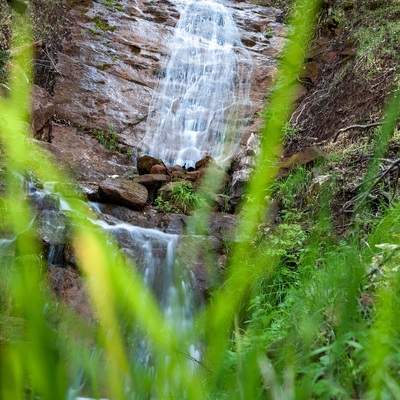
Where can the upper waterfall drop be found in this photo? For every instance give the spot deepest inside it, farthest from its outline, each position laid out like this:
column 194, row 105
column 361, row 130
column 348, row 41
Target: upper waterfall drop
column 203, row 94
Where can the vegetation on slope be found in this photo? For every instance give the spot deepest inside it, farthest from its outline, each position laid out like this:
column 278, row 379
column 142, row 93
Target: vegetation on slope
column 49, row 29
column 327, row 314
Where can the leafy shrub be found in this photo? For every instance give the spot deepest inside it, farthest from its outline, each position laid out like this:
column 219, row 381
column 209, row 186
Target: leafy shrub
column 113, row 5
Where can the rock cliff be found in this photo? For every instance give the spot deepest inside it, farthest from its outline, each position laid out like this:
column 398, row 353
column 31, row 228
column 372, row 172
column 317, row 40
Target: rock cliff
column 114, row 57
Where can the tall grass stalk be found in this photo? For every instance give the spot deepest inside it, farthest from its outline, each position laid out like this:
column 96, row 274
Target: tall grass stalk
column 40, row 365
column 245, row 265
column 313, row 342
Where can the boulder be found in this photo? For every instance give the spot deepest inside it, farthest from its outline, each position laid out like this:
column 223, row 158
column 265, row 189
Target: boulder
column 146, row 163
column 205, row 162
column 149, row 180
column 177, row 169
column 123, row 192
column 152, row 182
column 188, row 176
column 158, row 169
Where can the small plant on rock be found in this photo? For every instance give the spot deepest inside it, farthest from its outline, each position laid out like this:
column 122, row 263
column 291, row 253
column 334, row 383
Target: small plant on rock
column 107, row 138
column 113, row 5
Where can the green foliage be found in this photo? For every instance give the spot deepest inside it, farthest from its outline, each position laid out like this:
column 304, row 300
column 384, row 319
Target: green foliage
column 289, row 132
column 164, row 206
column 268, row 33
column 107, row 138
column 129, row 153
column 182, row 198
column 374, row 29
column 103, row 25
column 113, row 5
column 310, row 333
column 382, row 42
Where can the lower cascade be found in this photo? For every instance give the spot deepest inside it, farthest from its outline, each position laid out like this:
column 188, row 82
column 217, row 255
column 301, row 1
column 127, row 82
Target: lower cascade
column 203, row 94
column 151, row 251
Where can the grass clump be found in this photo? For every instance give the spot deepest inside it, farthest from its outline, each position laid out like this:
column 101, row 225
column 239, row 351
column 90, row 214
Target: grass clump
column 113, row 5
column 181, row 198
column 107, row 138
column 102, row 24
column 378, row 46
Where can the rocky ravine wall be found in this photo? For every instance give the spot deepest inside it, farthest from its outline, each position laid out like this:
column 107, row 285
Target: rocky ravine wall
column 107, row 73
column 112, row 61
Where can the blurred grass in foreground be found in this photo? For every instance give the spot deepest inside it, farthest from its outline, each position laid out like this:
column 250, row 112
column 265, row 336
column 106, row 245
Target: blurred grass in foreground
column 313, row 343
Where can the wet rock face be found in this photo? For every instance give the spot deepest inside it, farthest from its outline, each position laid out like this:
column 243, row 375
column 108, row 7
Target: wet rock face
column 107, row 75
column 113, row 59
column 69, row 287
column 110, row 65
column 85, row 157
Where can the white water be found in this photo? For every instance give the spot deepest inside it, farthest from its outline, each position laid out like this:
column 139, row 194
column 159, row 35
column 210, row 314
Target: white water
column 152, row 251
column 204, row 94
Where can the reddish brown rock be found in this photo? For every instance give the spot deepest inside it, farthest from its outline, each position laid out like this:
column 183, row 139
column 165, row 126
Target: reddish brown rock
column 85, row 157
column 304, row 157
column 123, row 192
column 205, row 162
column 42, row 107
column 146, row 163
column 312, row 72
column 158, row 170
column 177, row 169
column 111, row 81
column 151, row 179
column 191, row 176
column 152, row 182
column 69, row 287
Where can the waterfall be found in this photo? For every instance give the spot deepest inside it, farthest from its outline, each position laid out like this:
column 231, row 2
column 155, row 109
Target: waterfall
column 152, row 251
column 203, row 93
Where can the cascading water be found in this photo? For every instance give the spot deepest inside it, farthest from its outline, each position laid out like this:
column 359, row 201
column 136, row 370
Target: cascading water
column 152, row 252
column 203, row 95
